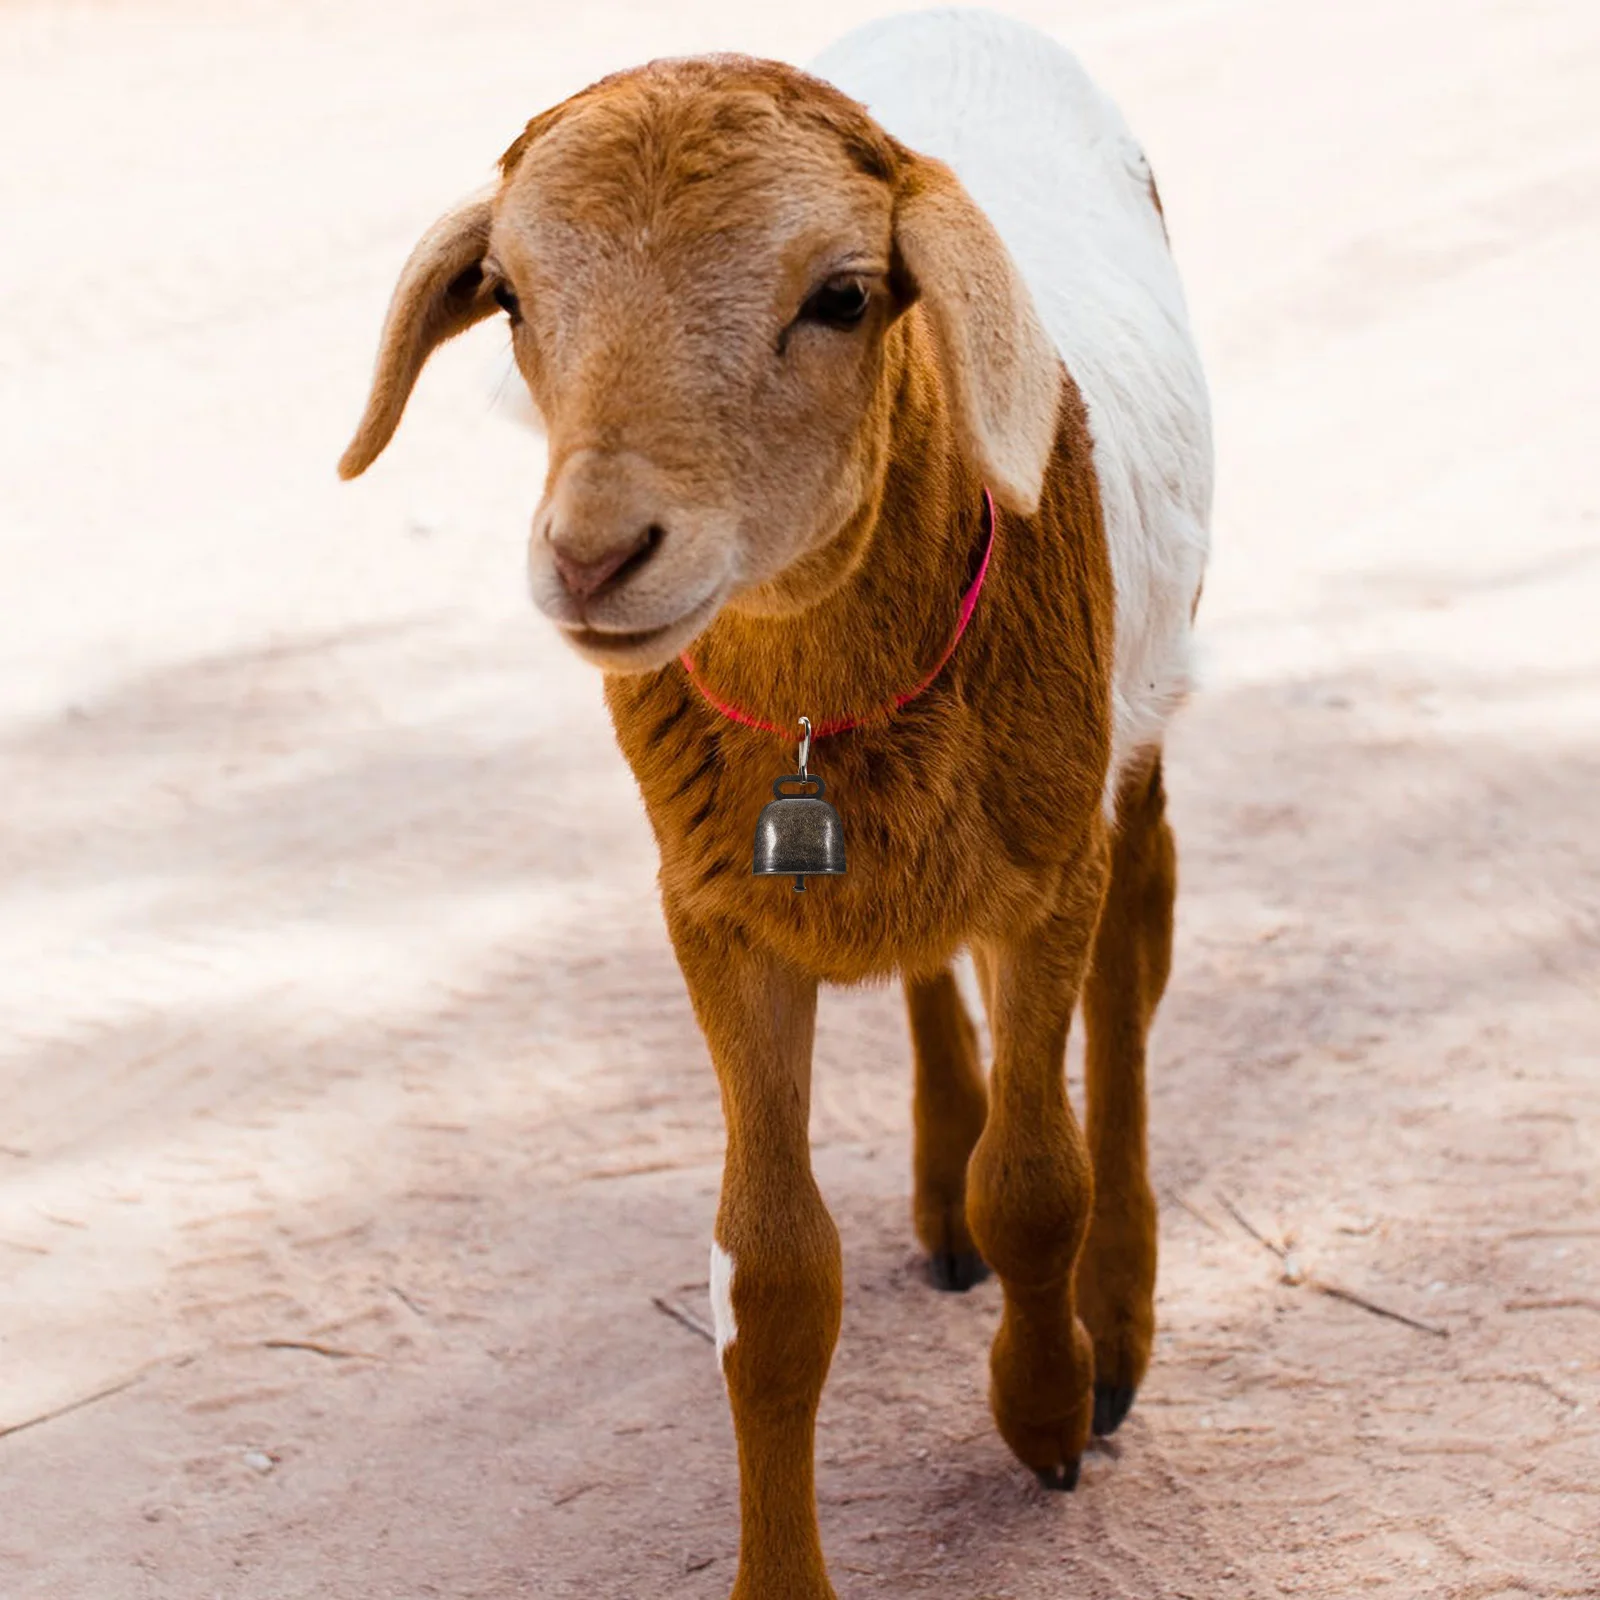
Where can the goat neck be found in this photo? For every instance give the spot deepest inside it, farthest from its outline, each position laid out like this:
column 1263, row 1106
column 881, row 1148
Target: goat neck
column 861, row 620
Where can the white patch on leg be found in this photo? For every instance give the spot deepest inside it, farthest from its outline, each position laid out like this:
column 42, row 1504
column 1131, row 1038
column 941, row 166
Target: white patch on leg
column 722, row 1299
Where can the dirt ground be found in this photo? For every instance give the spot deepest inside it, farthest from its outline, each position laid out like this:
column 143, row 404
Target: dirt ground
column 354, row 1117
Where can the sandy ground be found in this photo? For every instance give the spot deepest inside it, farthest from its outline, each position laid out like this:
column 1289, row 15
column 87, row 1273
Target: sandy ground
column 353, row 1110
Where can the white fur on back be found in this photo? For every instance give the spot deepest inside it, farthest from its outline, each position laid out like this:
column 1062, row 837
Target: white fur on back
column 1052, row 163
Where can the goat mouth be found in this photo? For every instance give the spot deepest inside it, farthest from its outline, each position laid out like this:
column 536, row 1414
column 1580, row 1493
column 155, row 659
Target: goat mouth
column 604, row 639
column 645, row 647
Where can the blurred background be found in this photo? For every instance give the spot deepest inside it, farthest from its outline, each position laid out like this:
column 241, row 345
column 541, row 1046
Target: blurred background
column 354, row 1129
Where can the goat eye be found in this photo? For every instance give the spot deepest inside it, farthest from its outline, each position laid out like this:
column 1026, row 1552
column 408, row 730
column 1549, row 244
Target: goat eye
column 507, row 301
column 839, row 303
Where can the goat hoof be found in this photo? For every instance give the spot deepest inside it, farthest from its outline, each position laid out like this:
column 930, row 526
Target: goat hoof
column 1062, row 1479
column 954, row 1272
column 1112, row 1402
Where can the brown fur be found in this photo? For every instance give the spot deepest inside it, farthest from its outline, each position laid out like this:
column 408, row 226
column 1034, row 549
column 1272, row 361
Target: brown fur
column 1155, row 200
column 820, row 493
column 441, row 293
column 1132, row 957
column 949, row 1106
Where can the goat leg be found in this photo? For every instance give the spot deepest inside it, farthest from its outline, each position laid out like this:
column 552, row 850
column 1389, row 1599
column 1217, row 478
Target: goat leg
column 776, row 1277
column 1031, row 1186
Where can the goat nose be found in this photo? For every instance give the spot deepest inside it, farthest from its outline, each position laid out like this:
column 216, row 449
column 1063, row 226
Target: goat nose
column 586, row 575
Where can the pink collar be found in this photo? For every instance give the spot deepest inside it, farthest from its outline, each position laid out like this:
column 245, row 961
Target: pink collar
column 969, row 602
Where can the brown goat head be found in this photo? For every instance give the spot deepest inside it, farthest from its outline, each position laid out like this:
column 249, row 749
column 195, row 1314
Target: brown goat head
column 713, row 270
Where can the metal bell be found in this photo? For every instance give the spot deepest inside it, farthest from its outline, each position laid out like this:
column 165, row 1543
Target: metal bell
column 799, row 835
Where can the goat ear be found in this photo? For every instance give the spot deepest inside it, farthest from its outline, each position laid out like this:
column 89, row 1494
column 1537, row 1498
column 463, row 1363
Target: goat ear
column 1002, row 373
column 441, row 293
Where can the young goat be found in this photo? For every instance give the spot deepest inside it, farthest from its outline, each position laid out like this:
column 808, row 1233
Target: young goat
column 780, row 352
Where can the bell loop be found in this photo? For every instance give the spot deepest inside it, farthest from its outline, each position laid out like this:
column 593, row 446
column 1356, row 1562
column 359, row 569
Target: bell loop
column 805, row 743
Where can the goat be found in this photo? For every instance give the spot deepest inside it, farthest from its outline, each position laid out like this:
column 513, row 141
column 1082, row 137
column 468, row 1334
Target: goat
column 781, row 349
